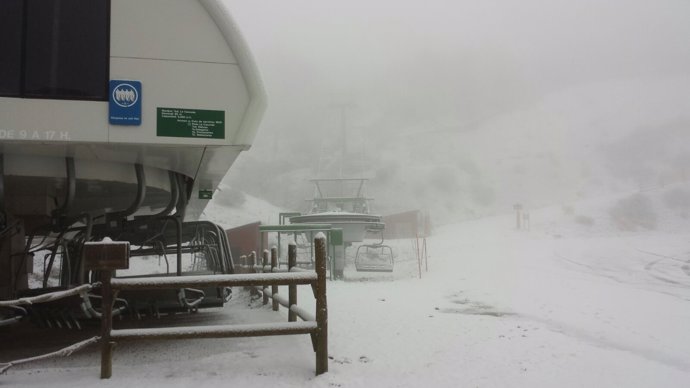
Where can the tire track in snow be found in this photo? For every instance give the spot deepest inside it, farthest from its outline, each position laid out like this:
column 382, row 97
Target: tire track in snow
column 646, row 286
column 650, row 267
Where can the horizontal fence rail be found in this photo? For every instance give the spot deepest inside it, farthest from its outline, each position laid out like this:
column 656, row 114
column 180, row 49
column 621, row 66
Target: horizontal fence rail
column 314, row 324
column 157, row 283
column 216, row 331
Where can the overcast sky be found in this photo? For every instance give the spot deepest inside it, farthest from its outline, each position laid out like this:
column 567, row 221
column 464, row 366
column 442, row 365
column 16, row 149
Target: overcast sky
column 472, row 57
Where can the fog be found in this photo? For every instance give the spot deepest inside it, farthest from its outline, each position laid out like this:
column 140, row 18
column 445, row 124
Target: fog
column 464, row 108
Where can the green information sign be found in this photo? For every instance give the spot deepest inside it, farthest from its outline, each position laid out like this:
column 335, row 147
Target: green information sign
column 176, row 122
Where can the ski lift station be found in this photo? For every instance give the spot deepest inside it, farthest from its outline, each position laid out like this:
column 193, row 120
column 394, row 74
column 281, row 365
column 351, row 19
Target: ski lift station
column 342, row 203
column 117, row 118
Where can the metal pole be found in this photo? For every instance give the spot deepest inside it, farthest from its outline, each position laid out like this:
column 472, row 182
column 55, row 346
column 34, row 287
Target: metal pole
column 321, row 306
column 426, row 257
column 106, row 325
column 178, row 240
column 292, row 289
column 419, row 256
column 311, row 246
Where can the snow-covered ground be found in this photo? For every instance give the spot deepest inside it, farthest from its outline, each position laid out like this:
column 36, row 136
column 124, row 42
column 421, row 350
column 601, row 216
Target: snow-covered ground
column 567, row 303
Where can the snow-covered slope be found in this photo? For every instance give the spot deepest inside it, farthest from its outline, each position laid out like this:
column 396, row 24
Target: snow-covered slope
column 567, row 303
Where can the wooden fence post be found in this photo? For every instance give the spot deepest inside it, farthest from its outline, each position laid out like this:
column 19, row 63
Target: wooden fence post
column 321, row 305
column 263, row 265
column 243, row 264
column 251, row 261
column 105, row 257
column 292, row 289
column 274, row 266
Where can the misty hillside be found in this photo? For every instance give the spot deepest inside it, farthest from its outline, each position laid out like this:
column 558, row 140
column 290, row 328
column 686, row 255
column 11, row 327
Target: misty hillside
column 581, row 142
column 231, row 207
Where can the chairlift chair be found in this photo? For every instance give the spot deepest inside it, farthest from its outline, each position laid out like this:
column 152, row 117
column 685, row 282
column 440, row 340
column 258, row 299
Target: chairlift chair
column 374, row 258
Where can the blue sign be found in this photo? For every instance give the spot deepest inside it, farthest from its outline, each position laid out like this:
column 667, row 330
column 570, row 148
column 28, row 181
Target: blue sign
column 125, row 102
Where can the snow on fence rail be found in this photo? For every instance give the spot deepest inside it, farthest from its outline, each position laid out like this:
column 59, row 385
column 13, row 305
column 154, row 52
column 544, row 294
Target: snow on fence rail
column 315, row 325
column 45, row 298
column 48, row 297
column 65, row 352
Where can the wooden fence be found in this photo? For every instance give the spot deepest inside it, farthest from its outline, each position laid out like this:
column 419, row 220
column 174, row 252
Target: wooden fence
column 270, row 264
column 314, row 324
